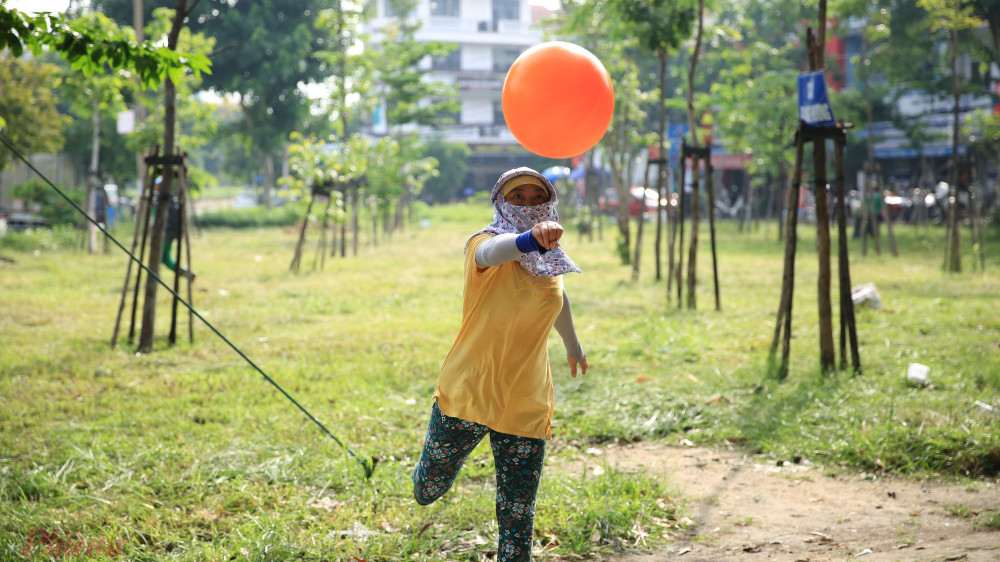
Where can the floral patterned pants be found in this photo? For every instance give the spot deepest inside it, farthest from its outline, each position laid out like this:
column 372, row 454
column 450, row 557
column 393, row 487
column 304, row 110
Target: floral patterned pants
column 518, row 463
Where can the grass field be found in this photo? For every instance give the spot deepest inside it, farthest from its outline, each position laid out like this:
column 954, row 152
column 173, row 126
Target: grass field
column 187, row 453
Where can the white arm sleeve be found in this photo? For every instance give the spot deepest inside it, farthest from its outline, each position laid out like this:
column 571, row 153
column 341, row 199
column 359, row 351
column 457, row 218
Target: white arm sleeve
column 500, row 249
column 564, row 325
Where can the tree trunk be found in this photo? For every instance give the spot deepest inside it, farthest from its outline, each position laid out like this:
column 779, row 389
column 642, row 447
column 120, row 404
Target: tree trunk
column 662, row 155
column 140, row 110
column 692, row 275
column 640, row 222
column 680, row 228
column 355, row 230
column 692, row 279
column 267, row 159
column 320, row 260
column 827, row 355
column 953, row 256
column 297, row 257
column 94, row 182
column 163, row 206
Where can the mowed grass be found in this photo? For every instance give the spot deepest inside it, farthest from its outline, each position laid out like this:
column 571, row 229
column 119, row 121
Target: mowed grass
column 188, row 453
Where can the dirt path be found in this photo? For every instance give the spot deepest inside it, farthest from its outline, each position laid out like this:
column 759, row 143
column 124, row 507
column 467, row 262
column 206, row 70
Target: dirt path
column 750, row 509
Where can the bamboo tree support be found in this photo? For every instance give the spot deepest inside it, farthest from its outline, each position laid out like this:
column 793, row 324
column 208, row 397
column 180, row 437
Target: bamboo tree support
column 660, row 185
column 710, row 191
column 671, row 216
column 783, row 325
column 355, row 209
column 188, row 222
column 679, row 226
column 695, row 154
column 952, row 247
column 976, row 223
column 640, row 220
column 848, row 326
column 320, row 259
column 183, row 242
column 141, row 229
column 157, row 167
column 890, row 234
column 701, row 159
column 297, row 257
column 349, row 192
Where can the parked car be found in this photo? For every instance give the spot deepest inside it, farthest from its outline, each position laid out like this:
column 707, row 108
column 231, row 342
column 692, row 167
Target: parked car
column 639, row 197
column 20, row 220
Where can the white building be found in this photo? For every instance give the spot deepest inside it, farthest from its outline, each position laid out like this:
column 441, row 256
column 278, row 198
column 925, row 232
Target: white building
column 489, row 35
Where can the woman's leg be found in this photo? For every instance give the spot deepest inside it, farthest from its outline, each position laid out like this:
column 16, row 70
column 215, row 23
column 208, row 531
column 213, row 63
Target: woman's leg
column 518, row 463
column 448, row 443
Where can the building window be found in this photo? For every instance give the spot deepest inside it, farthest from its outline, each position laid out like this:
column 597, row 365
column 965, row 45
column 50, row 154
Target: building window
column 498, row 118
column 445, row 8
column 503, row 57
column 506, row 10
column 451, row 61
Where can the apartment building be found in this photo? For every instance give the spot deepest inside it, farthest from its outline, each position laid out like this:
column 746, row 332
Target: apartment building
column 489, row 35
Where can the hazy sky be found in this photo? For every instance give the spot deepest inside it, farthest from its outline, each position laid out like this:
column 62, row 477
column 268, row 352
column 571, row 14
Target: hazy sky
column 61, row 5
column 38, row 5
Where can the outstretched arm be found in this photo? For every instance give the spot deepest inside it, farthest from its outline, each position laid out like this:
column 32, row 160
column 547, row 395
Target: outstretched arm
column 574, row 352
column 503, row 248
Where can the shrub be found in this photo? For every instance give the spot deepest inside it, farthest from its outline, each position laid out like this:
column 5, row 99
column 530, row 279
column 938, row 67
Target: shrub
column 53, row 207
column 254, row 217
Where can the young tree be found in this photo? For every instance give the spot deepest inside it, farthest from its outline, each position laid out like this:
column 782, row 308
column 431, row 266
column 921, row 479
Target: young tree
column 164, row 193
column 659, row 27
column 89, row 50
column 411, row 98
column 952, row 17
column 756, row 105
column 267, row 52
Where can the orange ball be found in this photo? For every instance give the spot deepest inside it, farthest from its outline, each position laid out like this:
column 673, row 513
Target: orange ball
column 558, row 99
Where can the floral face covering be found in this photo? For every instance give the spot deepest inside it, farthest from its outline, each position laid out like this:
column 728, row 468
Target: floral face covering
column 512, row 219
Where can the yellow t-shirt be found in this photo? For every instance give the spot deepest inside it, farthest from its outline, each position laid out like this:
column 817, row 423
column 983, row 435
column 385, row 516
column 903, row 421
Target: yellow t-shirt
column 497, row 372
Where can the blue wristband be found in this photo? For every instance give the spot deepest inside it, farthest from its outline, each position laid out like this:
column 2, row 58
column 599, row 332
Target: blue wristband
column 527, row 243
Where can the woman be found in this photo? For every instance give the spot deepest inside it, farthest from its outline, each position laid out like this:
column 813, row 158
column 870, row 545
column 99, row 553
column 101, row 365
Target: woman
column 496, row 378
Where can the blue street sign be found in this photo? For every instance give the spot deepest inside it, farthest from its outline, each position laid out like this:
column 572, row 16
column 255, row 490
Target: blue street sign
column 814, row 105
column 676, row 135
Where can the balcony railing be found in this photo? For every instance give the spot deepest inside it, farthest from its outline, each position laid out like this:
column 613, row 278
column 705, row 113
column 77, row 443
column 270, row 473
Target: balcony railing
column 482, row 26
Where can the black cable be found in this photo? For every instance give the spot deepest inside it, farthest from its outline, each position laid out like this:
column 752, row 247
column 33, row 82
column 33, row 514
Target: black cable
column 367, row 464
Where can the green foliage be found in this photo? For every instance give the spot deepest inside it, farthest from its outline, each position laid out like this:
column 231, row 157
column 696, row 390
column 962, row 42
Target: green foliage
column 452, row 166
column 90, row 50
column 28, row 106
column 253, row 217
column 53, row 207
column 271, row 48
column 659, row 26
